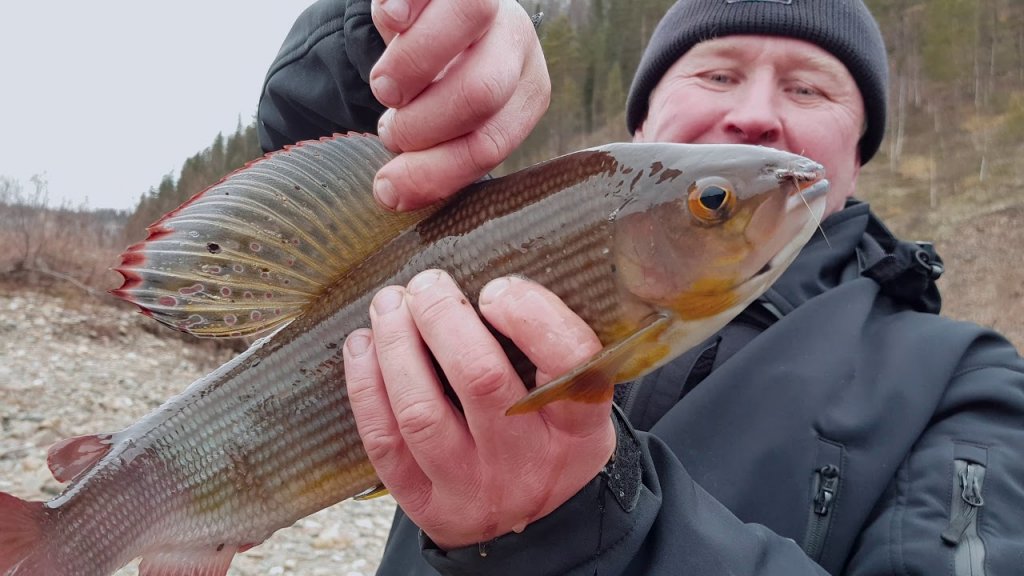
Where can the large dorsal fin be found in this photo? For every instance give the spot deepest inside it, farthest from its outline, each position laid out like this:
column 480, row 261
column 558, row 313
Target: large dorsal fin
column 252, row 251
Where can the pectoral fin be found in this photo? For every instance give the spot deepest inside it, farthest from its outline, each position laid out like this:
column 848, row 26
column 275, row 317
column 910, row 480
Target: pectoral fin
column 595, row 381
column 371, row 493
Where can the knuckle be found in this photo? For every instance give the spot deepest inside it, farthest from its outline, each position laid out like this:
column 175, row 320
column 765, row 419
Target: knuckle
column 379, row 445
column 420, row 423
column 485, row 95
column 407, row 62
column 489, row 146
column 481, row 374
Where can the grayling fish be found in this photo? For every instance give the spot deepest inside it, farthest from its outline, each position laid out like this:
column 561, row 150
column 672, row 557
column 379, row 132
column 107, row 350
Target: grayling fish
column 655, row 246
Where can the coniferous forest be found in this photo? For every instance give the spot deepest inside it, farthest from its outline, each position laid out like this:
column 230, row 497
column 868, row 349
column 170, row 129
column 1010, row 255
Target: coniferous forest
column 950, row 164
column 956, row 102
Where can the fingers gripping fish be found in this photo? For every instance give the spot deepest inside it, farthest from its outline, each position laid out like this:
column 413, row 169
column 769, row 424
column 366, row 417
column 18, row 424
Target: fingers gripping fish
column 655, row 246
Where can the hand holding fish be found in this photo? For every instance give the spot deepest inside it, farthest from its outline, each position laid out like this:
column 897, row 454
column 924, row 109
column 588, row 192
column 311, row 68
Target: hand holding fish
column 464, row 82
column 468, row 479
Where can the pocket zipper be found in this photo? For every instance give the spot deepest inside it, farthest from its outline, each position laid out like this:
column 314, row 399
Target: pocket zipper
column 962, row 532
column 825, row 491
column 969, row 503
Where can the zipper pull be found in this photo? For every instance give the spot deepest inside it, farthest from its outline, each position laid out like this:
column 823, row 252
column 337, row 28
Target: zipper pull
column 828, row 482
column 971, row 495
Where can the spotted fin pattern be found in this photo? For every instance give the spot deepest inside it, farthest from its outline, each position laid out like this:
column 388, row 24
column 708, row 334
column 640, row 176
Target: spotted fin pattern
column 252, row 251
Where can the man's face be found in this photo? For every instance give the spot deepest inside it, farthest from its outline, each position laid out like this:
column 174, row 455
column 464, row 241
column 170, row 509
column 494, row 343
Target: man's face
column 766, row 90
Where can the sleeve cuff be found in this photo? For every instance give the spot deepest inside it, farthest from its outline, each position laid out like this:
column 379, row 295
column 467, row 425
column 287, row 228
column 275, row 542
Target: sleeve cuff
column 594, row 520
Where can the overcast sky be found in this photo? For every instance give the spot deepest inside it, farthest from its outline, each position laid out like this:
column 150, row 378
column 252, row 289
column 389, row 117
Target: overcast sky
column 105, row 97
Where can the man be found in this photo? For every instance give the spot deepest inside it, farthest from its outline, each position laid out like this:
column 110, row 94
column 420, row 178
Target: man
column 839, row 425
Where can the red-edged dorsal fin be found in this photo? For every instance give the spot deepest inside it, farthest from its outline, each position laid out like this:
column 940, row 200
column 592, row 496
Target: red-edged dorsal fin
column 254, row 250
column 213, row 561
column 69, row 458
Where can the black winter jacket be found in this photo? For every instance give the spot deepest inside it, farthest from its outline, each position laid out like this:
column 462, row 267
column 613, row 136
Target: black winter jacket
column 838, row 426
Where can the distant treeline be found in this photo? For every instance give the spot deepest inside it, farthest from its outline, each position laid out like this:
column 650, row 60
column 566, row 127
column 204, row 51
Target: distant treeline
column 198, row 172
column 956, row 93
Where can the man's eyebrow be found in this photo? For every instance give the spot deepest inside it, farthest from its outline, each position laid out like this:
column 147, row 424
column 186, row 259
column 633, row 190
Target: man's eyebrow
column 715, row 52
column 718, row 50
column 817, row 63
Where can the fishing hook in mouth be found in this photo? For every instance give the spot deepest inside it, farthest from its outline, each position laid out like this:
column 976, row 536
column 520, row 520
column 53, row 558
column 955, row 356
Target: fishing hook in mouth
column 808, row 178
column 812, row 190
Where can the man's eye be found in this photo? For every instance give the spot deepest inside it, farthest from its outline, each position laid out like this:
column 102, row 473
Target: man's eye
column 720, row 78
column 802, row 90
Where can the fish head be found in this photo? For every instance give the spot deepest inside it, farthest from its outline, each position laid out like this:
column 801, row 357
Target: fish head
column 705, row 229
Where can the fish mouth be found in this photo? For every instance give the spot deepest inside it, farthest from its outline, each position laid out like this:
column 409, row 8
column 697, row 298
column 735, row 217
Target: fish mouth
column 808, row 178
column 803, row 173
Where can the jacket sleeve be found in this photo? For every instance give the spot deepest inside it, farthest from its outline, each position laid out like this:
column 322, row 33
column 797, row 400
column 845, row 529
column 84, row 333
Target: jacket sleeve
column 972, row 453
column 318, row 83
column 642, row 515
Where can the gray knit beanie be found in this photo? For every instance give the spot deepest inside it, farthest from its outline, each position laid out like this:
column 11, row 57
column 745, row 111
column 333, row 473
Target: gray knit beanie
column 845, row 28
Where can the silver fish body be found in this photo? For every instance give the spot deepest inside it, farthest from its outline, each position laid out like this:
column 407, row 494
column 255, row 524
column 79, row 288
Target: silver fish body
column 268, row 438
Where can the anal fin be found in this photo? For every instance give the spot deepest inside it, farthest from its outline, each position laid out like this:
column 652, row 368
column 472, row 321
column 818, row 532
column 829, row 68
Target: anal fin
column 72, row 456
column 594, row 382
column 189, row 562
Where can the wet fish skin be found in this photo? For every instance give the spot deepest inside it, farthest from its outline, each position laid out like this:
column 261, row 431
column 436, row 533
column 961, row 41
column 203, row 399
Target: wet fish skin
column 268, row 438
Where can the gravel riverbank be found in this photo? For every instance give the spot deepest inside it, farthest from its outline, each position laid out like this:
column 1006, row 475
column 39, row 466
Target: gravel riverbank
column 72, row 368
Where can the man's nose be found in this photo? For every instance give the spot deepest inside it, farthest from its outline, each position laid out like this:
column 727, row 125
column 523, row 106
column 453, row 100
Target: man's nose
column 755, row 117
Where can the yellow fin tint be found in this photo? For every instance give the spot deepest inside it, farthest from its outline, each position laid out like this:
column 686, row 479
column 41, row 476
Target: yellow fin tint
column 706, row 298
column 254, row 250
column 375, row 492
column 594, row 382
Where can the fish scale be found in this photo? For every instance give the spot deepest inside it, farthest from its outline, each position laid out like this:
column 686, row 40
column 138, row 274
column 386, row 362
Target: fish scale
column 269, row 437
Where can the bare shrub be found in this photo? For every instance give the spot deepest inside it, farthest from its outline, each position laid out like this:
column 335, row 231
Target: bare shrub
column 48, row 246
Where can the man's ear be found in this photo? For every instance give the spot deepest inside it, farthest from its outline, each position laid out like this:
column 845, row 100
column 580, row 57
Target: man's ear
column 638, row 134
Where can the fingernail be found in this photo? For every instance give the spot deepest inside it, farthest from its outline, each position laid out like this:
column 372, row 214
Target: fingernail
column 387, row 300
column 423, row 280
column 358, row 344
column 386, row 91
column 493, row 289
column 384, row 190
column 397, row 10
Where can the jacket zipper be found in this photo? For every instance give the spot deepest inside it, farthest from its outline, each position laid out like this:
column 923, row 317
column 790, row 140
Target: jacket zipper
column 962, row 532
column 826, row 488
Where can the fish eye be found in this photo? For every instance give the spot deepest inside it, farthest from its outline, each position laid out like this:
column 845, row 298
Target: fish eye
column 711, row 200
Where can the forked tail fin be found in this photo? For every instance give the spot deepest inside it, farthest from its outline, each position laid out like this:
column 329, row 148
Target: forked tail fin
column 22, row 539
